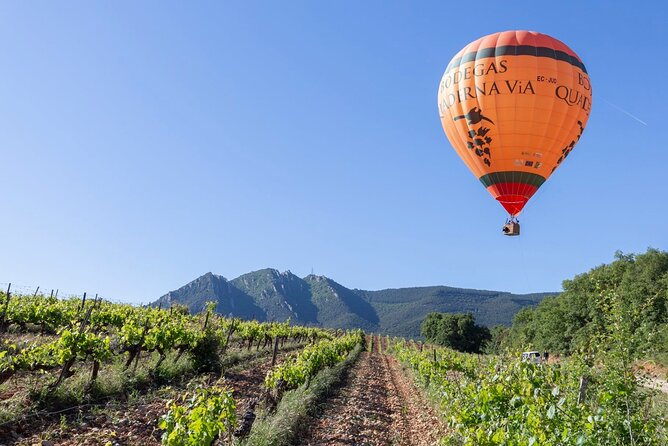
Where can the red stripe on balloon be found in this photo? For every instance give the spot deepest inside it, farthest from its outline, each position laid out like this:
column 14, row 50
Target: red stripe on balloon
column 512, row 196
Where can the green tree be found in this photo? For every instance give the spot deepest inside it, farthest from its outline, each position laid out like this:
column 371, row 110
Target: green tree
column 499, row 340
column 455, row 330
column 574, row 321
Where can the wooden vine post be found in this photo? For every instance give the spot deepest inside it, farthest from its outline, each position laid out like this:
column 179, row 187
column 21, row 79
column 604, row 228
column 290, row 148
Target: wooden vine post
column 4, row 311
column 273, row 357
column 65, row 372
column 229, row 334
column 584, row 382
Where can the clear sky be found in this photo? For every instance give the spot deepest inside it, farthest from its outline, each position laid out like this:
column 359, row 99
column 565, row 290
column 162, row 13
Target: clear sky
column 143, row 144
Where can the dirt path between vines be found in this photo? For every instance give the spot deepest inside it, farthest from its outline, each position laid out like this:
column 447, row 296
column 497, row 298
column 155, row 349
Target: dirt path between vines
column 378, row 405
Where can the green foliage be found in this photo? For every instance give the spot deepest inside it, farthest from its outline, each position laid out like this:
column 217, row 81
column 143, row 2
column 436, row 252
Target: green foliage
column 302, row 366
column 607, row 318
column 199, row 419
column 457, row 331
column 498, row 339
column 205, row 353
column 579, row 318
column 504, row 401
column 114, row 329
column 82, row 345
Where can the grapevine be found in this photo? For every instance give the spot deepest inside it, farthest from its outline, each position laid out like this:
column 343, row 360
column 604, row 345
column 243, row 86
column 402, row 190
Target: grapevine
column 94, row 331
column 200, row 418
column 299, row 368
column 500, row 400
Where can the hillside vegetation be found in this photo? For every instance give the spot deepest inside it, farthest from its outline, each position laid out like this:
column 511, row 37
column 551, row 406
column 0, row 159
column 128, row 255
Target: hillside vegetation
column 633, row 287
column 270, row 295
column 456, row 331
column 603, row 322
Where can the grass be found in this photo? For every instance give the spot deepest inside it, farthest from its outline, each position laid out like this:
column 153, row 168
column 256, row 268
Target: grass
column 282, row 427
column 112, row 381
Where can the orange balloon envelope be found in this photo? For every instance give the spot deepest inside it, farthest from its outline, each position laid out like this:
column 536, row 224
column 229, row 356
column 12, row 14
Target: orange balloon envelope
column 513, row 105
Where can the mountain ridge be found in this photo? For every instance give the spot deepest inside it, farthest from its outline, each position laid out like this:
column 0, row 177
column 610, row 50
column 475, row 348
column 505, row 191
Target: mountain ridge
column 268, row 294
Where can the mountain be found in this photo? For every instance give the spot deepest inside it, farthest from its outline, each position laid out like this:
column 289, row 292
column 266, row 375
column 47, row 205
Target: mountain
column 268, row 294
column 341, row 307
column 281, row 295
column 402, row 310
column 230, row 300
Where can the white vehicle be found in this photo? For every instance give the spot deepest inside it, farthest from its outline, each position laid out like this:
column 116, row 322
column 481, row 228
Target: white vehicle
column 535, row 357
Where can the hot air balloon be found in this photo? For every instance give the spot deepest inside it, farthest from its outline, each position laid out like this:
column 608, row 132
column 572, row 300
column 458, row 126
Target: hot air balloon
column 513, row 105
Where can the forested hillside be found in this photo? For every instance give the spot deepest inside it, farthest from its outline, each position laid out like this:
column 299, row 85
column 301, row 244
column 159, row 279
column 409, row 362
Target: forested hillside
column 633, row 287
column 270, row 295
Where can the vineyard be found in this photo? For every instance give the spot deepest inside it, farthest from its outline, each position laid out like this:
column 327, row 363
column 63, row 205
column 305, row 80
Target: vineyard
column 87, row 371
column 491, row 400
column 94, row 331
column 56, row 353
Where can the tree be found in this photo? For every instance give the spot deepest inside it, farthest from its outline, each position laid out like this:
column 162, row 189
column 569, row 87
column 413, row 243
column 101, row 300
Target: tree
column 499, row 339
column 455, row 330
column 573, row 320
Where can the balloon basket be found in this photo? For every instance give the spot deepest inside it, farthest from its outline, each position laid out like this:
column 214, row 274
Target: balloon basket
column 511, row 228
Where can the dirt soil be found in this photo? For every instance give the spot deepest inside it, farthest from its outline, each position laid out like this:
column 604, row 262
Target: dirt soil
column 378, row 405
column 651, row 368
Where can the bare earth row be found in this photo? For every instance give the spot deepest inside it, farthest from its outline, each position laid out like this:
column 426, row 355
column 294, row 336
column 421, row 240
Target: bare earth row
column 378, row 405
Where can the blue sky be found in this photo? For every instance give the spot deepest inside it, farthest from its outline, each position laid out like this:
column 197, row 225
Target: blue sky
column 143, row 144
